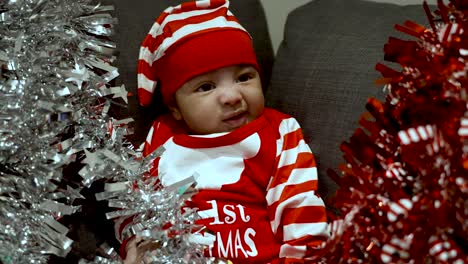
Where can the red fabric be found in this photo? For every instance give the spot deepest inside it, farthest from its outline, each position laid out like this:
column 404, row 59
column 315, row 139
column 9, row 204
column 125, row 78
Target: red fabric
column 250, row 213
column 164, row 127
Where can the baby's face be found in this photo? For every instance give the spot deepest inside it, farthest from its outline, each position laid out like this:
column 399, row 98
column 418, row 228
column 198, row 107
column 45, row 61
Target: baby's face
column 220, row 101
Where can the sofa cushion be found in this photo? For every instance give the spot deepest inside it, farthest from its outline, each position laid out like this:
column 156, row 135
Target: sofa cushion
column 324, row 70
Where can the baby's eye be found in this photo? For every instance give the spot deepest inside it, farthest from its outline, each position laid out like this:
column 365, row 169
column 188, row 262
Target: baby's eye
column 245, row 77
column 205, row 87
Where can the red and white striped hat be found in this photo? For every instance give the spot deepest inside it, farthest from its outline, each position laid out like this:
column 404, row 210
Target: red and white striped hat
column 188, row 40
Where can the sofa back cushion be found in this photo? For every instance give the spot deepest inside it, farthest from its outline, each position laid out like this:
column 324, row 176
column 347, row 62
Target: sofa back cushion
column 324, row 70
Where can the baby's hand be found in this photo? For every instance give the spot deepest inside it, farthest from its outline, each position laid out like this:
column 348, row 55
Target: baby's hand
column 136, row 249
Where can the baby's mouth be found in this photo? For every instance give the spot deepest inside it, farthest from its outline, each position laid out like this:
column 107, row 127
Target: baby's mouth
column 237, row 120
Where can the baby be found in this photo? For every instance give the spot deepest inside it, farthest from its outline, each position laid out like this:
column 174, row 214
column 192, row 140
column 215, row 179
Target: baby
column 257, row 183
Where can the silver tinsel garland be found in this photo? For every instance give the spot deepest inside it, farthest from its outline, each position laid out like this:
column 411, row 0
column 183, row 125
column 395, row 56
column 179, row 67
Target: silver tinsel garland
column 55, row 65
column 55, row 94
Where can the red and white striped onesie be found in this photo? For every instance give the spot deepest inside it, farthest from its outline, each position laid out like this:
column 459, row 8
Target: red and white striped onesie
column 256, row 187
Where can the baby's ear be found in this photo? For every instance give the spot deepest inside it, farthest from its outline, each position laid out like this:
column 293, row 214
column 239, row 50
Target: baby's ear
column 175, row 112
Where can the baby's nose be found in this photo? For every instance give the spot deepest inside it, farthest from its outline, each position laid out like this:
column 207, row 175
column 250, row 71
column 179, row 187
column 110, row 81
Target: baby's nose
column 230, row 95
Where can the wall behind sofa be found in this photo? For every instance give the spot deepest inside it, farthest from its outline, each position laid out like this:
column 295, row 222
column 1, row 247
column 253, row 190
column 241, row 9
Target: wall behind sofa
column 277, row 12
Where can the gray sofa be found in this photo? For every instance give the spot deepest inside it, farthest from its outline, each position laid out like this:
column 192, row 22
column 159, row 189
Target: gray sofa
column 324, row 70
column 323, row 74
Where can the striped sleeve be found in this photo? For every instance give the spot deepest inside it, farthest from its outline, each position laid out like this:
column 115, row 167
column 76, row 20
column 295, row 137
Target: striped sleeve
column 297, row 213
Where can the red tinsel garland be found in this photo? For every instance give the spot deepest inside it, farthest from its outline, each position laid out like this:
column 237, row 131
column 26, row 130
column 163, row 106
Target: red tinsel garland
column 403, row 194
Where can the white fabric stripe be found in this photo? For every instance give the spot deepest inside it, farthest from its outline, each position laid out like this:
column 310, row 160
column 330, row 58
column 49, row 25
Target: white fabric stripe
column 146, row 55
column 405, row 140
column 422, row 132
column 463, row 132
column 464, row 121
column 413, row 135
column 289, row 156
column 157, row 30
column 297, row 201
column 203, row 3
column 296, row 231
column 145, row 83
column 219, row 22
column 172, row 8
column 279, row 146
column 288, row 125
column 288, row 251
column 298, row 175
column 430, row 130
column 149, row 138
